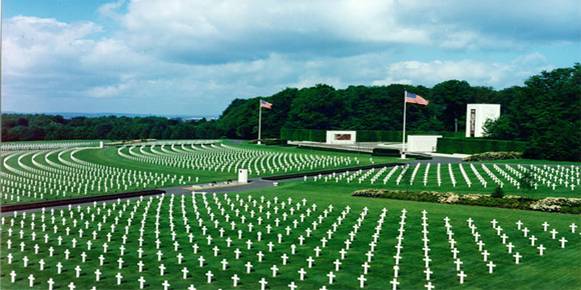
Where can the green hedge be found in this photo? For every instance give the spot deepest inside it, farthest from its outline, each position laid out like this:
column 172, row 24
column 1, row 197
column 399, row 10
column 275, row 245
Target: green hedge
column 478, row 145
column 362, row 135
column 549, row 204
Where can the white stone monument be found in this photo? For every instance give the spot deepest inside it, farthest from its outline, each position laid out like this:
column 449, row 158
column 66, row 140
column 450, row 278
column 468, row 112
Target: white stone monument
column 341, row 137
column 477, row 115
column 422, row 143
column 243, row 175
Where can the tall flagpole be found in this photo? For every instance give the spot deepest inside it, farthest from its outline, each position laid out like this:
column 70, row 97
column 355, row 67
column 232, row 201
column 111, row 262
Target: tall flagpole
column 259, row 121
column 404, row 120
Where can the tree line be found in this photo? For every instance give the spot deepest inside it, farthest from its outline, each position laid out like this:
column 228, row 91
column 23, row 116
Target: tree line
column 544, row 111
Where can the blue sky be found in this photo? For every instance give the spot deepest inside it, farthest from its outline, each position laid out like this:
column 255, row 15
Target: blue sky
column 195, row 57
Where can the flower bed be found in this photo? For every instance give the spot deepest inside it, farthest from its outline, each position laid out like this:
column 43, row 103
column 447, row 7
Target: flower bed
column 494, row 156
column 549, row 204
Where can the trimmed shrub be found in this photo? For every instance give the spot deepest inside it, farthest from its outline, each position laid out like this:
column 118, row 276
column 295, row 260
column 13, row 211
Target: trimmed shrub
column 494, row 156
column 478, row 145
column 362, row 135
column 498, row 192
column 549, row 204
column 385, row 152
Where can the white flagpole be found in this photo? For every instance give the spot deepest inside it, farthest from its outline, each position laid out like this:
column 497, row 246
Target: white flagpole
column 404, row 120
column 259, row 121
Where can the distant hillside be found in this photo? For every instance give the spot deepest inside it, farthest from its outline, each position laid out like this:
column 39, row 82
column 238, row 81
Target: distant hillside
column 70, row 115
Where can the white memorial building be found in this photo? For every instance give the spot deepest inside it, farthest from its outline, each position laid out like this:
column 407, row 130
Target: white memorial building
column 422, row 143
column 341, row 137
column 477, row 115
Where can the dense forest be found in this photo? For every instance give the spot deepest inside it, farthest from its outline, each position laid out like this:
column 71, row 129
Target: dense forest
column 544, row 111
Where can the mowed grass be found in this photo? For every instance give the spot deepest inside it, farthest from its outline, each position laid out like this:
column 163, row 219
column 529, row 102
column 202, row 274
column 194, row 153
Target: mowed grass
column 63, row 181
column 410, row 183
column 561, row 271
column 108, row 156
column 65, row 177
column 557, row 269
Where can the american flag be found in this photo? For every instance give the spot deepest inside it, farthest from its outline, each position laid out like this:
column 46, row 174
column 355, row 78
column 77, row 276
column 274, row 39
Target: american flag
column 415, row 99
column 265, row 104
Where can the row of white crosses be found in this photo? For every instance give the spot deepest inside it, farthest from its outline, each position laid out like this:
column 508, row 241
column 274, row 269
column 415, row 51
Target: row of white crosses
column 510, row 247
column 465, row 176
column 119, row 276
column 227, row 158
column 507, row 176
column 70, row 240
column 324, row 241
column 567, row 176
column 426, row 249
column 525, row 231
column 481, row 245
column 120, row 279
column 454, row 250
column 274, row 268
column 351, row 238
column 398, row 247
column 68, row 175
column 107, row 232
column 492, row 176
column 372, row 246
column 318, row 249
column 551, row 176
column 426, row 174
column 402, row 174
column 414, row 173
column 481, row 179
column 25, row 146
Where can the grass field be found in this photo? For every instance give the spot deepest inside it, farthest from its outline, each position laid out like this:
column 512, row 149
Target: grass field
column 114, row 240
column 479, row 178
column 51, row 173
column 556, row 269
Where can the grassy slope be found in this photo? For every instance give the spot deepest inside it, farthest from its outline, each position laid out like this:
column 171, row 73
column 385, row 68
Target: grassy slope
column 108, row 156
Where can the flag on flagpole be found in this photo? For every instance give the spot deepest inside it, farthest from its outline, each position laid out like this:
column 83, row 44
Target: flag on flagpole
column 265, row 104
column 415, row 99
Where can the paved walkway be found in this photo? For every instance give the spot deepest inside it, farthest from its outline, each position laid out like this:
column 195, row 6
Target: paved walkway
column 254, row 183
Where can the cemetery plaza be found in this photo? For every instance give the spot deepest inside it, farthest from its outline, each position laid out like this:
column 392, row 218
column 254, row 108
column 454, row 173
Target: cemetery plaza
column 305, row 233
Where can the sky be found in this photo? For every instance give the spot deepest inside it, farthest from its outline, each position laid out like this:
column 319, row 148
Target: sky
column 189, row 57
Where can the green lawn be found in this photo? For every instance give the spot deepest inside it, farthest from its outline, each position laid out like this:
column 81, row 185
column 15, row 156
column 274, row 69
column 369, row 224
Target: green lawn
column 132, row 222
column 461, row 186
column 55, row 173
column 557, row 269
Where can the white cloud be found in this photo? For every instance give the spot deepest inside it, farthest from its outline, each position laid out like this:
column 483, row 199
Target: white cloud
column 45, row 42
column 195, row 56
column 222, row 31
column 477, row 72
